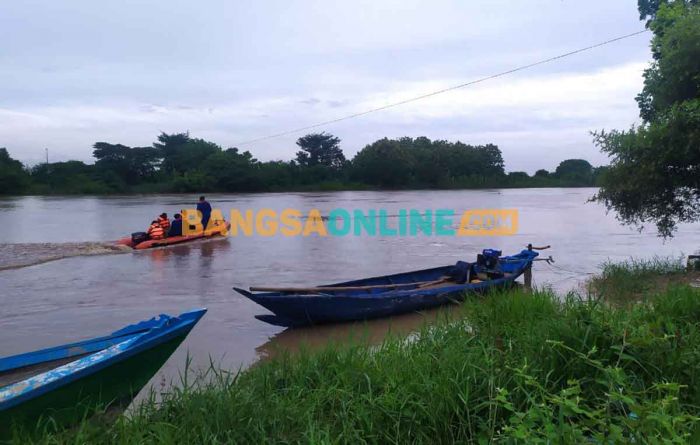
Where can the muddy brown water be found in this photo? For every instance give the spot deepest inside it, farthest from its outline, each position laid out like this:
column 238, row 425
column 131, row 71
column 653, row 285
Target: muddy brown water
column 59, row 282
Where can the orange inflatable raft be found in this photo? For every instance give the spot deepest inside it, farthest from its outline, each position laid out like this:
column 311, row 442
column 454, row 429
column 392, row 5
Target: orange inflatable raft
column 220, row 229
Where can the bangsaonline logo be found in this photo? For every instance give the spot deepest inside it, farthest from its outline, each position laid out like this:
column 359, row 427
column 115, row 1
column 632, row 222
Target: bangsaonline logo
column 372, row 222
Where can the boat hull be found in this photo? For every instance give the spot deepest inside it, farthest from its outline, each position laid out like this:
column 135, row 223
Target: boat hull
column 76, row 380
column 111, row 388
column 299, row 309
column 304, row 310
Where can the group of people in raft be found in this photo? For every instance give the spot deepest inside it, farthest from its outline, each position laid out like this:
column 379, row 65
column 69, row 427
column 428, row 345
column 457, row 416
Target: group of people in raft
column 162, row 228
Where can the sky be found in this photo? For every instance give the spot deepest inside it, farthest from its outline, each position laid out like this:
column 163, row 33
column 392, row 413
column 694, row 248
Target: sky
column 76, row 72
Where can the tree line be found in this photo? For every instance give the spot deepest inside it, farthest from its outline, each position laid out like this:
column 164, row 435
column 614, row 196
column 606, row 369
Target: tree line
column 178, row 163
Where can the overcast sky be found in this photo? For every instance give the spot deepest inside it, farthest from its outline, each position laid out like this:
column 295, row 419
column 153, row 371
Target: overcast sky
column 75, row 72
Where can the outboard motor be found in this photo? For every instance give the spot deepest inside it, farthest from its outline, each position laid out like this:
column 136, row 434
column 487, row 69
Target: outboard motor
column 488, row 261
column 488, row 258
column 138, row 237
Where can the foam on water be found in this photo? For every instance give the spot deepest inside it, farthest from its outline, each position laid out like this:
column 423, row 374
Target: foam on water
column 14, row 256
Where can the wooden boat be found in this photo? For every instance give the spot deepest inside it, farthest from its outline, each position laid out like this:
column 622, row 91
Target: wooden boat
column 218, row 230
column 64, row 384
column 390, row 294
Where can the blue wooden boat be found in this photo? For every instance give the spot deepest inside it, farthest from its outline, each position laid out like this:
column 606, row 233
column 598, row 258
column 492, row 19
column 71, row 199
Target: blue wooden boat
column 390, row 294
column 64, row 384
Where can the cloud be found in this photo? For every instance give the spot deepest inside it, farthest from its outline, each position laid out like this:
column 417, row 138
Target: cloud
column 548, row 109
column 234, row 71
column 310, row 101
column 563, row 95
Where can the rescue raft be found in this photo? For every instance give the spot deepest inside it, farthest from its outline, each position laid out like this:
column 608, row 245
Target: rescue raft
column 219, row 228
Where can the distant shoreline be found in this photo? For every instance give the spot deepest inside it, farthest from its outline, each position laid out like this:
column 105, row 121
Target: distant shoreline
column 299, row 190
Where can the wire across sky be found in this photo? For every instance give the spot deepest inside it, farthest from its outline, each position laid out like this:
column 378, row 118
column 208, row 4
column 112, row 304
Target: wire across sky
column 442, row 91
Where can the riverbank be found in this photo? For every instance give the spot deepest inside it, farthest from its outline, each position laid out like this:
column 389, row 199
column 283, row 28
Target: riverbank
column 517, row 366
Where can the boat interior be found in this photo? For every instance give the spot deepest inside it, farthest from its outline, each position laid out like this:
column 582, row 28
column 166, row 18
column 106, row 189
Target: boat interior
column 15, row 375
column 484, row 269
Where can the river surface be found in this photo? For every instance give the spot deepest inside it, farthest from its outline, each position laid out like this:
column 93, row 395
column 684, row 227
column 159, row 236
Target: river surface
column 95, row 289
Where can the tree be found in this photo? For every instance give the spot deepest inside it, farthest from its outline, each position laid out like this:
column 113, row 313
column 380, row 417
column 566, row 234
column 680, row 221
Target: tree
column 191, row 155
column 654, row 175
column 518, row 179
column 70, row 177
column 420, row 162
column 232, row 171
column 277, row 175
column 320, row 149
column 182, row 154
column 384, row 163
column 649, row 8
column 131, row 165
column 599, row 173
column 170, row 145
column 575, row 171
column 14, row 179
column 426, row 161
column 490, row 159
column 673, row 76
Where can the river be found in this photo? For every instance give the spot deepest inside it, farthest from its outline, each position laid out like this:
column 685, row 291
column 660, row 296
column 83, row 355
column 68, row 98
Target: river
column 95, row 289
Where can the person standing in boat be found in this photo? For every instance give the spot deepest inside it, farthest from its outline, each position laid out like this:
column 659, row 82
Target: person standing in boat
column 205, row 208
column 176, row 226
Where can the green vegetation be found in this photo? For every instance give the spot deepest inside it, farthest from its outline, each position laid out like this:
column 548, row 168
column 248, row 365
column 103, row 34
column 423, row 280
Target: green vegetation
column 516, row 368
column 629, row 281
column 179, row 163
column 13, row 178
column 654, row 176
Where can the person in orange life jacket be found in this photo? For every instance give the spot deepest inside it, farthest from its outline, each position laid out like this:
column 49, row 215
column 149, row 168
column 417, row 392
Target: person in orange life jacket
column 176, row 226
column 155, row 231
column 164, row 222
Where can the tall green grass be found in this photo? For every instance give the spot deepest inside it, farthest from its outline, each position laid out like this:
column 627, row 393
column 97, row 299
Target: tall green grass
column 517, row 368
column 631, row 280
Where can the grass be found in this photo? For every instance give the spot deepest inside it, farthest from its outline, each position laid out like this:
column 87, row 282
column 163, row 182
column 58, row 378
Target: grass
column 516, row 368
column 631, row 280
